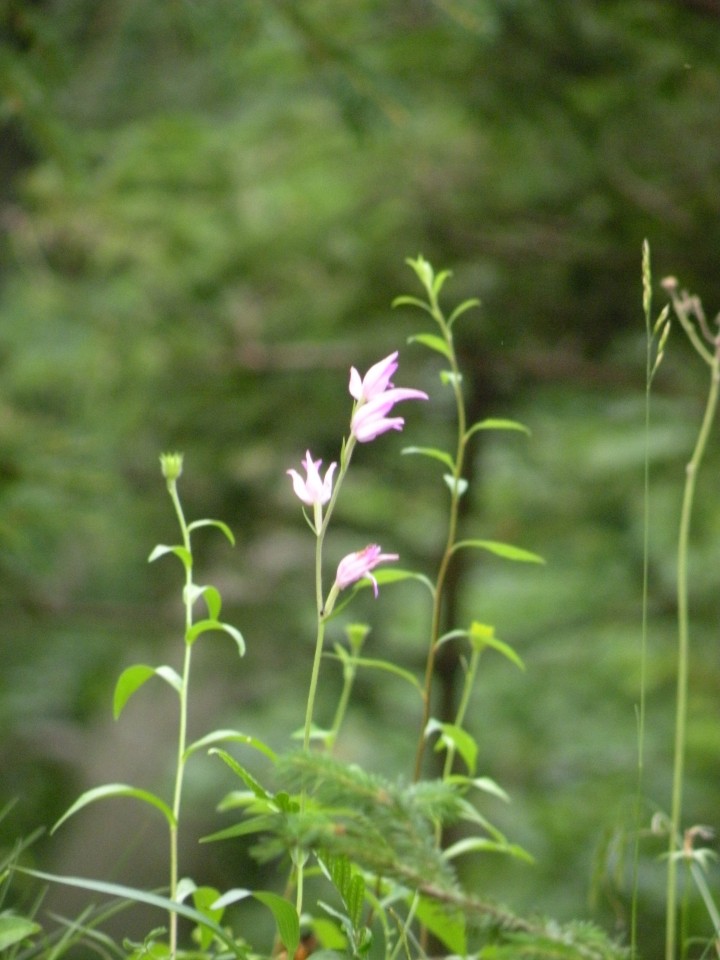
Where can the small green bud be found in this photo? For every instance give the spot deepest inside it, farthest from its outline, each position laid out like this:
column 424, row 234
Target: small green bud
column 171, row 464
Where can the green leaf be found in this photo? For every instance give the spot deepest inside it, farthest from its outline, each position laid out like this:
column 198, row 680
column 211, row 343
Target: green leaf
column 462, row 308
column 286, row 918
column 207, row 626
column 110, row 790
column 205, row 901
column 483, row 845
column 447, row 925
column 486, row 784
column 439, row 281
column 503, row 648
column 231, row 896
column 142, row 896
column 213, row 600
column 433, row 452
column 213, row 523
column 383, row 576
column 389, row 667
column 405, row 301
column 245, row 775
column 181, row 552
column 432, row 341
column 262, row 823
column 494, row 423
column 457, row 738
column 355, row 898
column 219, row 736
column 505, row 550
column 458, row 484
column 16, row 929
column 132, row 678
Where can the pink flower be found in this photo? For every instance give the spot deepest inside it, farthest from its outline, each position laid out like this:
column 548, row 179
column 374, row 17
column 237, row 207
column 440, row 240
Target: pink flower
column 313, row 490
column 370, row 419
column 375, row 381
column 357, row 565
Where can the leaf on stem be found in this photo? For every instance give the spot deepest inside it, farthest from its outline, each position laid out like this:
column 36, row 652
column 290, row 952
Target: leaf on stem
column 496, row 423
column 505, row 550
column 182, row 553
column 213, row 523
column 286, row 918
column 207, row 626
column 15, row 929
column 211, row 595
column 388, row 667
column 433, row 453
column 132, row 678
column 226, row 736
column 462, row 308
column 117, row 790
column 433, row 342
column 406, row 301
column 454, row 737
column 457, row 485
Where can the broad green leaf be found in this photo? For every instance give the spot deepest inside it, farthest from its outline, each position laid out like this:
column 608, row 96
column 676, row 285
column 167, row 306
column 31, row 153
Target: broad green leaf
column 432, row 341
column 181, row 552
column 213, row 523
column 447, row 925
column 494, row 423
column 457, row 738
column 15, row 929
column 462, row 308
column 433, row 452
column 220, row 736
column 132, row 678
column 286, row 918
column 110, row 790
column 205, row 901
column 505, row 550
column 207, row 626
column 142, row 896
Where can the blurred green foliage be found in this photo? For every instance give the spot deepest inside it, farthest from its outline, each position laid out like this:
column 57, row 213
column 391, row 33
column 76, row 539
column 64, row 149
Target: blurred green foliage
column 205, row 210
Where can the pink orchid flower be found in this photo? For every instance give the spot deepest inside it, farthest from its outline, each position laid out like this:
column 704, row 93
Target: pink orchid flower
column 375, row 396
column 375, row 381
column 313, row 490
column 357, row 565
column 370, row 419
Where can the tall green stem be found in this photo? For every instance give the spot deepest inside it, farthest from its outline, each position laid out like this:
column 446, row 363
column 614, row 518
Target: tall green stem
column 684, row 308
column 182, row 731
column 455, row 494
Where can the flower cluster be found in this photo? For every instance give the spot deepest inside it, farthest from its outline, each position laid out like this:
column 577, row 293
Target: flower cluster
column 375, row 395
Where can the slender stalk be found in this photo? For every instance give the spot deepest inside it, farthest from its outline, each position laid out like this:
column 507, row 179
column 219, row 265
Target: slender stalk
column 455, row 494
column 684, row 307
column 470, row 674
column 182, row 731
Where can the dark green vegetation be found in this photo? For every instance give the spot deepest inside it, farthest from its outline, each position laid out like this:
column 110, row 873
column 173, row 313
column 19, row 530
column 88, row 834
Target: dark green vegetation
column 205, row 211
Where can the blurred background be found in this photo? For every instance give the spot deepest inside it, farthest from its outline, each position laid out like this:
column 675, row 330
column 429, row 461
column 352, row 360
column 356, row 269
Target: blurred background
column 205, row 210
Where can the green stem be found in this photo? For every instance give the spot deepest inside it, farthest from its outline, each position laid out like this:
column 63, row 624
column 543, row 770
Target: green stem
column 438, row 596
column 470, row 674
column 684, row 638
column 182, row 732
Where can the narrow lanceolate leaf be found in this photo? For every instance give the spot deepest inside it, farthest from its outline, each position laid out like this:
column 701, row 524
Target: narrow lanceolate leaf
column 493, row 423
column 505, row 550
column 286, row 918
column 245, row 775
column 229, row 736
column 503, row 648
column 181, row 552
column 446, row 925
column 432, row 341
column 462, row 308
column 457, row 485
column 110, row 790
column 142, row 896
column 389, row 667
column 211, row 595
column 434, row 453
column 132, row 678
column 213, row 523
column 407, row 301
column 207, row 626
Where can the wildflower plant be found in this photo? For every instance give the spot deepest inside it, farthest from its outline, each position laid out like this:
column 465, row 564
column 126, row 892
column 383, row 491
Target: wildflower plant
column 373, row 846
